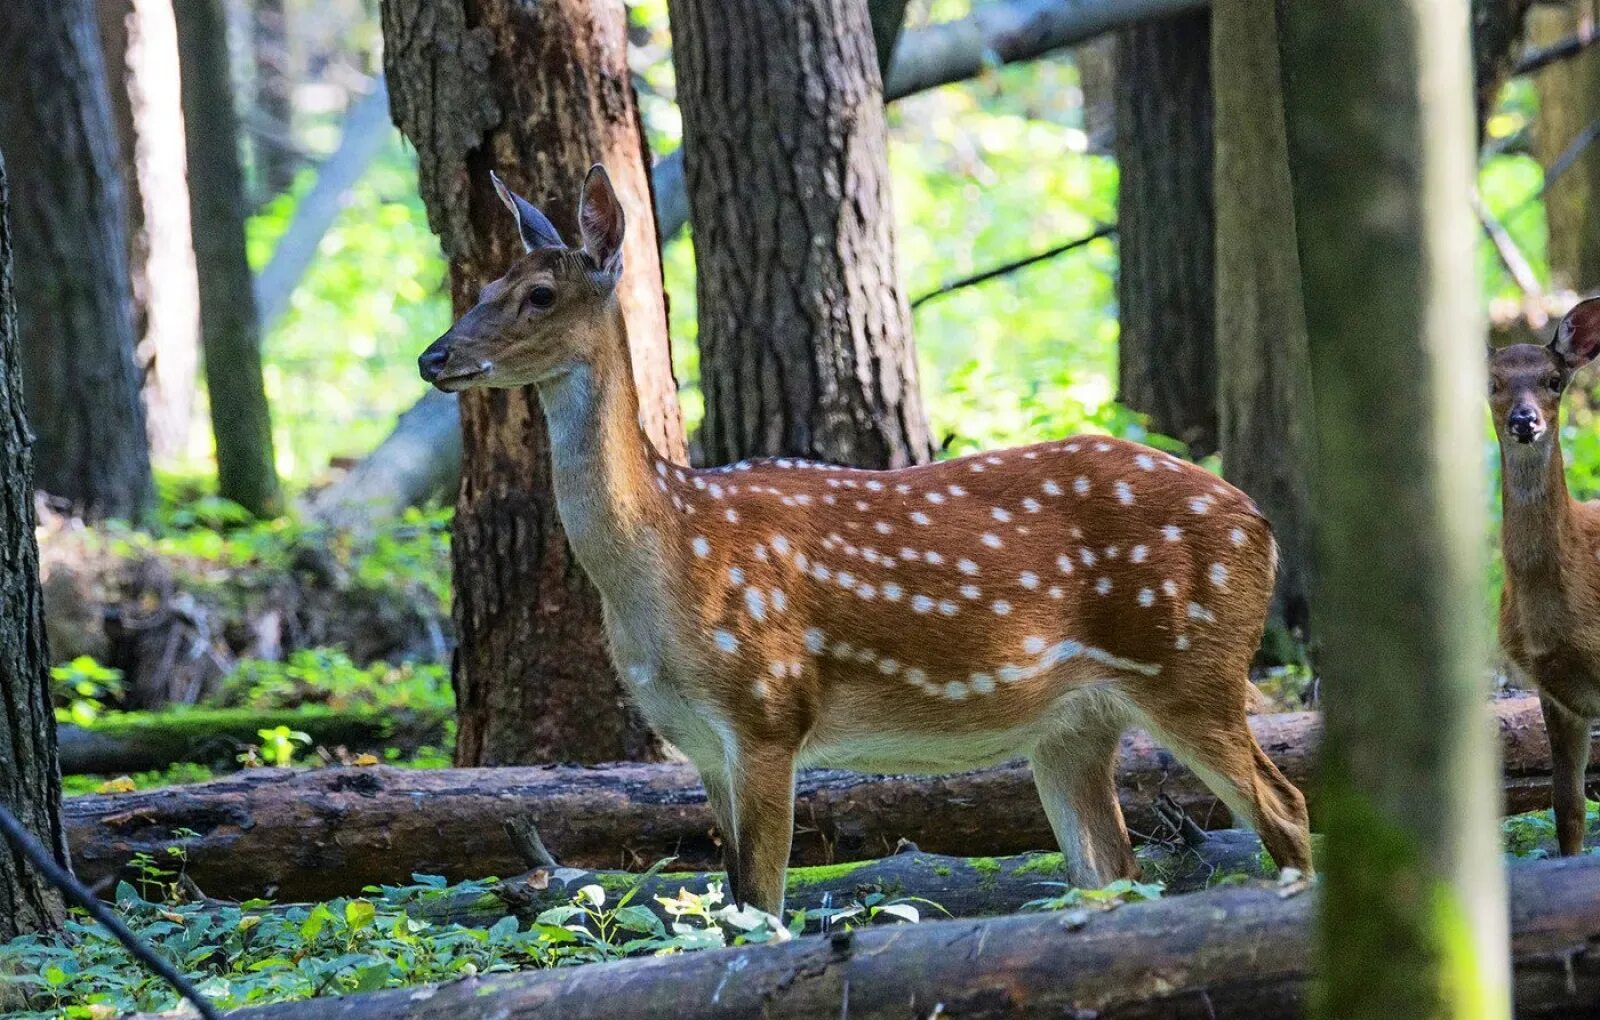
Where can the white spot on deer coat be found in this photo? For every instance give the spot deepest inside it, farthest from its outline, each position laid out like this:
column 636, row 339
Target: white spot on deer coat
column 756, row 604
column 921, row 604
column 1028, row 579
column 967, row 567
column 1000, row 514
column 1080, row 485
column 1050, row 488
column 971, row 591
column 701, row 547
column 918, row 517
column 1124, row 493
column 1103, row 586
column 814, row 639
column 725, row 641
column 1138, row 553
column 892, row 592
column 1171, row 532
column 1219, row 575
column 1001, row 608
column 990, row 539
column 1146, row 597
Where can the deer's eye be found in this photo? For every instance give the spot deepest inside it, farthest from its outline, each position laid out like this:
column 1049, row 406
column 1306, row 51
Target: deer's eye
column 1554, row 382
column 542, row 297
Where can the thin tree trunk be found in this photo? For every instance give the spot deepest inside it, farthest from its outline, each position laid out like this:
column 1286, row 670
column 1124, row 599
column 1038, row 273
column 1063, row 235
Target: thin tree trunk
column 30, row 785
column 1167, row 353
column 805, row 335
column 1263, row 369
column 1381, row 141
column 240, row 419
column 538, row 93
column 888, row 17
column 70, row 219
column 140, row 41
column 1569, row 106
column 276, row 158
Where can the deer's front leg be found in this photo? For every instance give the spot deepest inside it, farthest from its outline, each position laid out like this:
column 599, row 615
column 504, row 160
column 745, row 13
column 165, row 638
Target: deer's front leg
column 763, row 791
column 719, row 794
column 1569, row 758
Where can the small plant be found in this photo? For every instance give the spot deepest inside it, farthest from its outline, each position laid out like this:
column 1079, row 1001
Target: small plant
column 1123, row 890
column 278, row 745
column 81, row 688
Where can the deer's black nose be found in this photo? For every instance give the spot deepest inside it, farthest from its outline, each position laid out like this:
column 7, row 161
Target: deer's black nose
column 431, row 363
column 1523, row 422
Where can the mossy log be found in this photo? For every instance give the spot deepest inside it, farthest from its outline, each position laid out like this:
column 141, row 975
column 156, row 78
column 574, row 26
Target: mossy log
column 138, row 742
column 1231, row 952
column 315, row 834
column 941, row 885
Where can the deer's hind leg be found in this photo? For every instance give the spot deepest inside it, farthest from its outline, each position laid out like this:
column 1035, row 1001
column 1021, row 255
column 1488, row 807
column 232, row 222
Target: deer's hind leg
column 1215, row 742
column 1075, row 772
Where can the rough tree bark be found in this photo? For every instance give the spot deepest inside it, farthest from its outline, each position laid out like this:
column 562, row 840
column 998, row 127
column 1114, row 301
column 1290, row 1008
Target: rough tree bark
column 805, row 334
column 30, row 784
column 1569, row 105
column 538, row 92
column 1264, row 410
column 140, row 41
column 328, row 832
column 240, row 419
column 1167, row 362
column 70, row 220
column 1381, row 141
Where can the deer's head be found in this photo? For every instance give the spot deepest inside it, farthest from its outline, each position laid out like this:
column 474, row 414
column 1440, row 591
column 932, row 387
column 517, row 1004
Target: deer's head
column 537, row 321
column 1526, row 381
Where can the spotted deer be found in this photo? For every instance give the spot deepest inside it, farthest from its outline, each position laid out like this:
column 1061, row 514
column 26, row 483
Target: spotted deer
column 777, row 613
column 1550, row 543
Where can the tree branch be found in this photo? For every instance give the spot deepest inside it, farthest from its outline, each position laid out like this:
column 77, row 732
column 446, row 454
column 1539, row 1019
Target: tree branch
column 951, row 286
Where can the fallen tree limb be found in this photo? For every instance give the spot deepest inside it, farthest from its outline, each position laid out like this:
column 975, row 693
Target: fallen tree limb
column 1227, row 952
column 321, row 833
column 420, row 459
column 215, row 737
column 962, row 886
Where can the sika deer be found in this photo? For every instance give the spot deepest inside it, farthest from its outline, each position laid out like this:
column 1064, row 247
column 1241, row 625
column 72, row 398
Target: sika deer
column 1550, row 543
column 774, row 613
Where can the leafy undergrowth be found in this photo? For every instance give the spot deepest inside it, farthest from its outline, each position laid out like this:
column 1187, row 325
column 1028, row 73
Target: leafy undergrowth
column 255, row 953
column 1533, row 835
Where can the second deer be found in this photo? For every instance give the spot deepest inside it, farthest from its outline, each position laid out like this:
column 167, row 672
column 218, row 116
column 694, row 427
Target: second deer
column 775, row 613
column 1550, row 607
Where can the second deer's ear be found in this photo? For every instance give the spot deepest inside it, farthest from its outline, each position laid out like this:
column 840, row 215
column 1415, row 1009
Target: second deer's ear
column 601, row 219
column 1577, row 339
column 534, row 226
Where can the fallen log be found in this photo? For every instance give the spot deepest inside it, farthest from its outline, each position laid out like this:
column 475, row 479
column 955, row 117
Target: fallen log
column 326, row 832
column 215, row 737
column 1226, row 952
column 942, row 885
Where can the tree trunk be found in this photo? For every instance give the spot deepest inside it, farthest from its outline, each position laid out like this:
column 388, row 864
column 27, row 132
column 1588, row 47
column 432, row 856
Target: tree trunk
column 1225, row 953
column 30, row 784
column 69, row 215
column 1167, row 359
column 1569, row 105
column 240, row 419
column 1263, row 369
column 276, row 157
column 888, row 17
column 140, row 42
column 538, row 92
column 1497, row 36
column 1381, row 141
column 805, row 335
column 328, row 832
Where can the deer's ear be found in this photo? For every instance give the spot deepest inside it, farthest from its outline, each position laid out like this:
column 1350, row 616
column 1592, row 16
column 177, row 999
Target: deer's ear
column 601, row 219
column 534, row 226
column 1577, row 339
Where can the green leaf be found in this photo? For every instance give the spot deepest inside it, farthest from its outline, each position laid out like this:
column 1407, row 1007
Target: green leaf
column 359, row 914
column 315, row 922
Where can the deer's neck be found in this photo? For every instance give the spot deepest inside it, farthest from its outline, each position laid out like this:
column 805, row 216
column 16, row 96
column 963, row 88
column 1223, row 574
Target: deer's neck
column 605, row 467
column 1536, row 511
